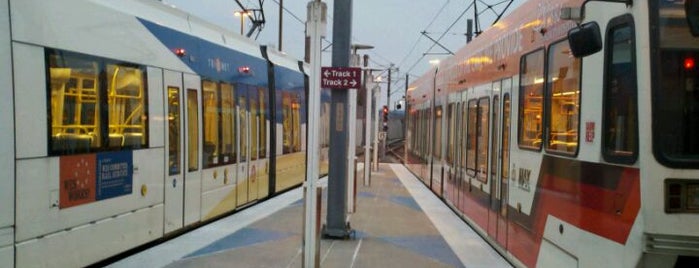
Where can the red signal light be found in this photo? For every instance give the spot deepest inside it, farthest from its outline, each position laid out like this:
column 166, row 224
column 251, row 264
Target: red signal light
column 244, row 69
column 689, row 63
column 180, row 52
column 385, row 113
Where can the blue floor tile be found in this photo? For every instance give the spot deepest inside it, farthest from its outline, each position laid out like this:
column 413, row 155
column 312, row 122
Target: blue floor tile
column 366, row 195
column 431, row 246
column 406, row 201
column 243, row 238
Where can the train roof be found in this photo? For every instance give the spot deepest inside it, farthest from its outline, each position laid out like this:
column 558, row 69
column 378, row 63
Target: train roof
column 179, row 20
column 495, row 53
column 169, row 16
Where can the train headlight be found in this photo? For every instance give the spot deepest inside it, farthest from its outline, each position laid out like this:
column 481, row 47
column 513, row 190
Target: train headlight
column 681, row 196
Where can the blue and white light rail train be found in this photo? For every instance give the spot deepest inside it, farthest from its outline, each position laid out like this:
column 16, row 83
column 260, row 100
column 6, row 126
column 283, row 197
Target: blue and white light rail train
column 124, row 122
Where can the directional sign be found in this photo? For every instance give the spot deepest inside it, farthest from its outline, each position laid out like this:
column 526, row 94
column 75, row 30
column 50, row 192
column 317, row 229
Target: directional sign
column 340, row 77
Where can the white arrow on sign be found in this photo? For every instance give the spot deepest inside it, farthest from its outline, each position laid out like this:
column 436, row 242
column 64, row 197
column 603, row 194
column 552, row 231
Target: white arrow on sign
column 326, row 73
column 353, row 83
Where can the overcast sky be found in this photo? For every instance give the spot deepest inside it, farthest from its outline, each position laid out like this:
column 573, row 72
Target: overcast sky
column 393, row 27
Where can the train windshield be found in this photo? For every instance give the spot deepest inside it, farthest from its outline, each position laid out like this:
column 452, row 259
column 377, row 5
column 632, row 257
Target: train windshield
column 676, row 85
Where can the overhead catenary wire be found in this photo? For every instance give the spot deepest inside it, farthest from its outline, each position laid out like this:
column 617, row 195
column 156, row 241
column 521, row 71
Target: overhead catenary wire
column 473, row 4
column 434, row 18
column 381, row 61
column 441, row 36
column 380, row 56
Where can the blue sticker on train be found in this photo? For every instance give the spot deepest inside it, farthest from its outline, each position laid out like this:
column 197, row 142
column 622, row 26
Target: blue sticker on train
column 114, row 174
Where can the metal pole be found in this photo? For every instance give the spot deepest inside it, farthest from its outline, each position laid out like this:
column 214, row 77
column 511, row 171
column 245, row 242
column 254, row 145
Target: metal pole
column 281, row 24
column 388, row 91
column 351, row 148
column 367, row 127
column 469, row 31
column 406, row 115
column 337, row 224
column 388, row 104
column 375, row 95
column 315, row 29
column 242, row 18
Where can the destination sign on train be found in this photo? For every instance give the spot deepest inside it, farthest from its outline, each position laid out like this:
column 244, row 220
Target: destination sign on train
column 340, row 77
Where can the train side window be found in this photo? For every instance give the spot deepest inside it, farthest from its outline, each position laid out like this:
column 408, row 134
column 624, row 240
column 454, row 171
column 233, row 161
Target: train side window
column 220, row 133
column 125, row 98
column 450, row 131
column 457, row 135
column 415, row 128
column 483, row 133
column 420, row 129
column 291, row 123
column 423, row 137
column 416, row 137
column 212, row 140
column 530, row 100
column 192, row 130
column 75, row 99
column 243, row 128
column 496, row 131
column 471, row 136
column 563, row 100
column 228, row 130
column 464, row 126
column 620, row 124
column 262, row 122
column 94, row 105
column 173, row 119
column 254, row 125
column 437, row 150
column 411, row 130
column 505, row 137
column 427, row 126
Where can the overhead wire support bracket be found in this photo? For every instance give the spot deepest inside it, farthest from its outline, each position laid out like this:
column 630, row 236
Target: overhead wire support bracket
column 437, row 53
column 436, row 42
column 257, row 18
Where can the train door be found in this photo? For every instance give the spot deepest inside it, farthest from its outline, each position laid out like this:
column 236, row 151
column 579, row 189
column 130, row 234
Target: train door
column 174, row 186
column 495, row 144
column 463, row 110
column 504, row 158
column 243, row 184
column 437, row 157
column 257, row 135
column 192, row 143
column 450, row 184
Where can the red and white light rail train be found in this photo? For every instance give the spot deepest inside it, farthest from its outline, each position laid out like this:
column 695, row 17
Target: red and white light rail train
column 567, row 134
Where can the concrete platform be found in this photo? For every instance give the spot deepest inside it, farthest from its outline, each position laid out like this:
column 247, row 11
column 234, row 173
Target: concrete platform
column 398, row 223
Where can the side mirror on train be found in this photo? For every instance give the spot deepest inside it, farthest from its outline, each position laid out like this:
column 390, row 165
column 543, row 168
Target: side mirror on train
column 585, row 40
column 691, row 8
